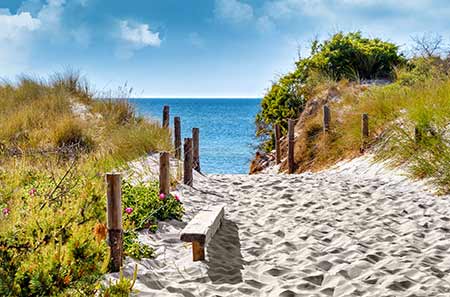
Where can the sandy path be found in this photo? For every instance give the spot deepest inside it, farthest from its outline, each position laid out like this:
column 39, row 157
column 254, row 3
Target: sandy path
column 356, row 230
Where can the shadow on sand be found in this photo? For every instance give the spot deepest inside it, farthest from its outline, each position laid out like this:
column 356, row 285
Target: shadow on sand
column 224, row 255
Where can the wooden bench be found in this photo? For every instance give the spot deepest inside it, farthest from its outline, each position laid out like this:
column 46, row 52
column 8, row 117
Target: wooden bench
column 201, row 229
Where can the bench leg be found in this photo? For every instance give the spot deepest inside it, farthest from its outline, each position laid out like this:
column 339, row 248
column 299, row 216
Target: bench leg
column 198, row 251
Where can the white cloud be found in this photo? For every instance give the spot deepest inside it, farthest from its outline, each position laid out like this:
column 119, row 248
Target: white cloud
column 233, row 11
column 34, row 21
column 139, row 35
column 135, row 36
column 51, row 15
column 196, row 40
column 82, row 36
column 15, row 34
column 14, row 26
column 265, row 24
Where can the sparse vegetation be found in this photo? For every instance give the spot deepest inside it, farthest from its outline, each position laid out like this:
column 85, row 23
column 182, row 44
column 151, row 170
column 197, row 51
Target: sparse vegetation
column 56, row 143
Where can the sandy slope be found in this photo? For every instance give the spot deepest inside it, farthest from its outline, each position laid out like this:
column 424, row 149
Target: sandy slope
column 356, row 230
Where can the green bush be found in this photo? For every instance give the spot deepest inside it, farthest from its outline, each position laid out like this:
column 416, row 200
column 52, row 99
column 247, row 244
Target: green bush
column 147, row 207
column 353, row 57
column 143, row 208
column 285, row 100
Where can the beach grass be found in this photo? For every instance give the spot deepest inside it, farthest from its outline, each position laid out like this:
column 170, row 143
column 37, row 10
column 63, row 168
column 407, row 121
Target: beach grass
column 56, row 142
column 395, row 112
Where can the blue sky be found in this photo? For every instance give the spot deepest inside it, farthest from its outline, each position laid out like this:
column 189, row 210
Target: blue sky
column 193, row 48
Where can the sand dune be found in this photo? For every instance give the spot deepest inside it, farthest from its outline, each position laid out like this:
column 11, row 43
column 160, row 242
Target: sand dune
column 355, row 230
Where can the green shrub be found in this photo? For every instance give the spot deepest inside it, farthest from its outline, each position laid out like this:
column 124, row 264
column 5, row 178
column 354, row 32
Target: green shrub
column 147, row 207
column 121, row 288
column 143, row 208
column 353, row 57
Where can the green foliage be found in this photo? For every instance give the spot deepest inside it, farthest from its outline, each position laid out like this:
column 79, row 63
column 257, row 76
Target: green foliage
column 147, row 206
column 285, row 100
column 343, row 56
column 123, row 287
column 134, row 248
column 353, row 57
column 46, row 243
column 145, row 209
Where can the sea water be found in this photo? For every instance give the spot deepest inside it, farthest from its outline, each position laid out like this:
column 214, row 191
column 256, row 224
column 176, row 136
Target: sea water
column 227, row 128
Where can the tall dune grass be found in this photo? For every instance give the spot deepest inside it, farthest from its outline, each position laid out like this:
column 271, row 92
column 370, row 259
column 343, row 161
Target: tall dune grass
column 56, row 142
column 395, row 112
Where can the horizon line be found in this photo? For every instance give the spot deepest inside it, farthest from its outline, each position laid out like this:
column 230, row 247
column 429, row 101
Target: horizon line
column 195, row 97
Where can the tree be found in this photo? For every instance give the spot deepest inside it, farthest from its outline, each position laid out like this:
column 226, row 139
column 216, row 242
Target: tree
column 427, row 45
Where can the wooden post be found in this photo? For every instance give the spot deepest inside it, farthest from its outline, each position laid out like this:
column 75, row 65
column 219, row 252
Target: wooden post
column 188, row 162
column 166, row 116
column 177, row 137
column 198, row 251
column 114, row 214
column 365, row 126
column 196, row 149
column 326, row 118
column 164, row 173
column 417, row 134
column 291, row 126
column 277, row 144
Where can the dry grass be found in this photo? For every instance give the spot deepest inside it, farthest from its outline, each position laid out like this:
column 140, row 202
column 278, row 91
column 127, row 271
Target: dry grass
column 394, row 111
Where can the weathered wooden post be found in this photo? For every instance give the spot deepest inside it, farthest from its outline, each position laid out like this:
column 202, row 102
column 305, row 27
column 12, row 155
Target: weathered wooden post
column 326, row 118
column 277, row 144
column 365, row 125
column 291, row 126
column 188, row 180
column 417, row 134
column 196, row 149
column 114, row 214
column 166, row 116
column 164, row 173
column 177, row 137
column 364, row 129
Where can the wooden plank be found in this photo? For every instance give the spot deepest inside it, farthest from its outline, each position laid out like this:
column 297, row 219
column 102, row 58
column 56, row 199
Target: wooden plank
column 177, row 137
column 291, row 143
column 114, row 223
column 204, row 225
column 196, row 149
column 164, row 173
column 188, row 178
column 277, row 144
column 166, row 116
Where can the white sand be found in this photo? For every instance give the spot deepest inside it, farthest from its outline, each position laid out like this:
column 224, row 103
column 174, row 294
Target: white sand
column 355, row 230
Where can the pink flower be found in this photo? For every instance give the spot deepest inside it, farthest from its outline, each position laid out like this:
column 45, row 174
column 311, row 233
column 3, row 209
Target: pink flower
column 128, row 210
column 177, row 198
column 6, row 211
column 162, row 196
column 32, row 192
